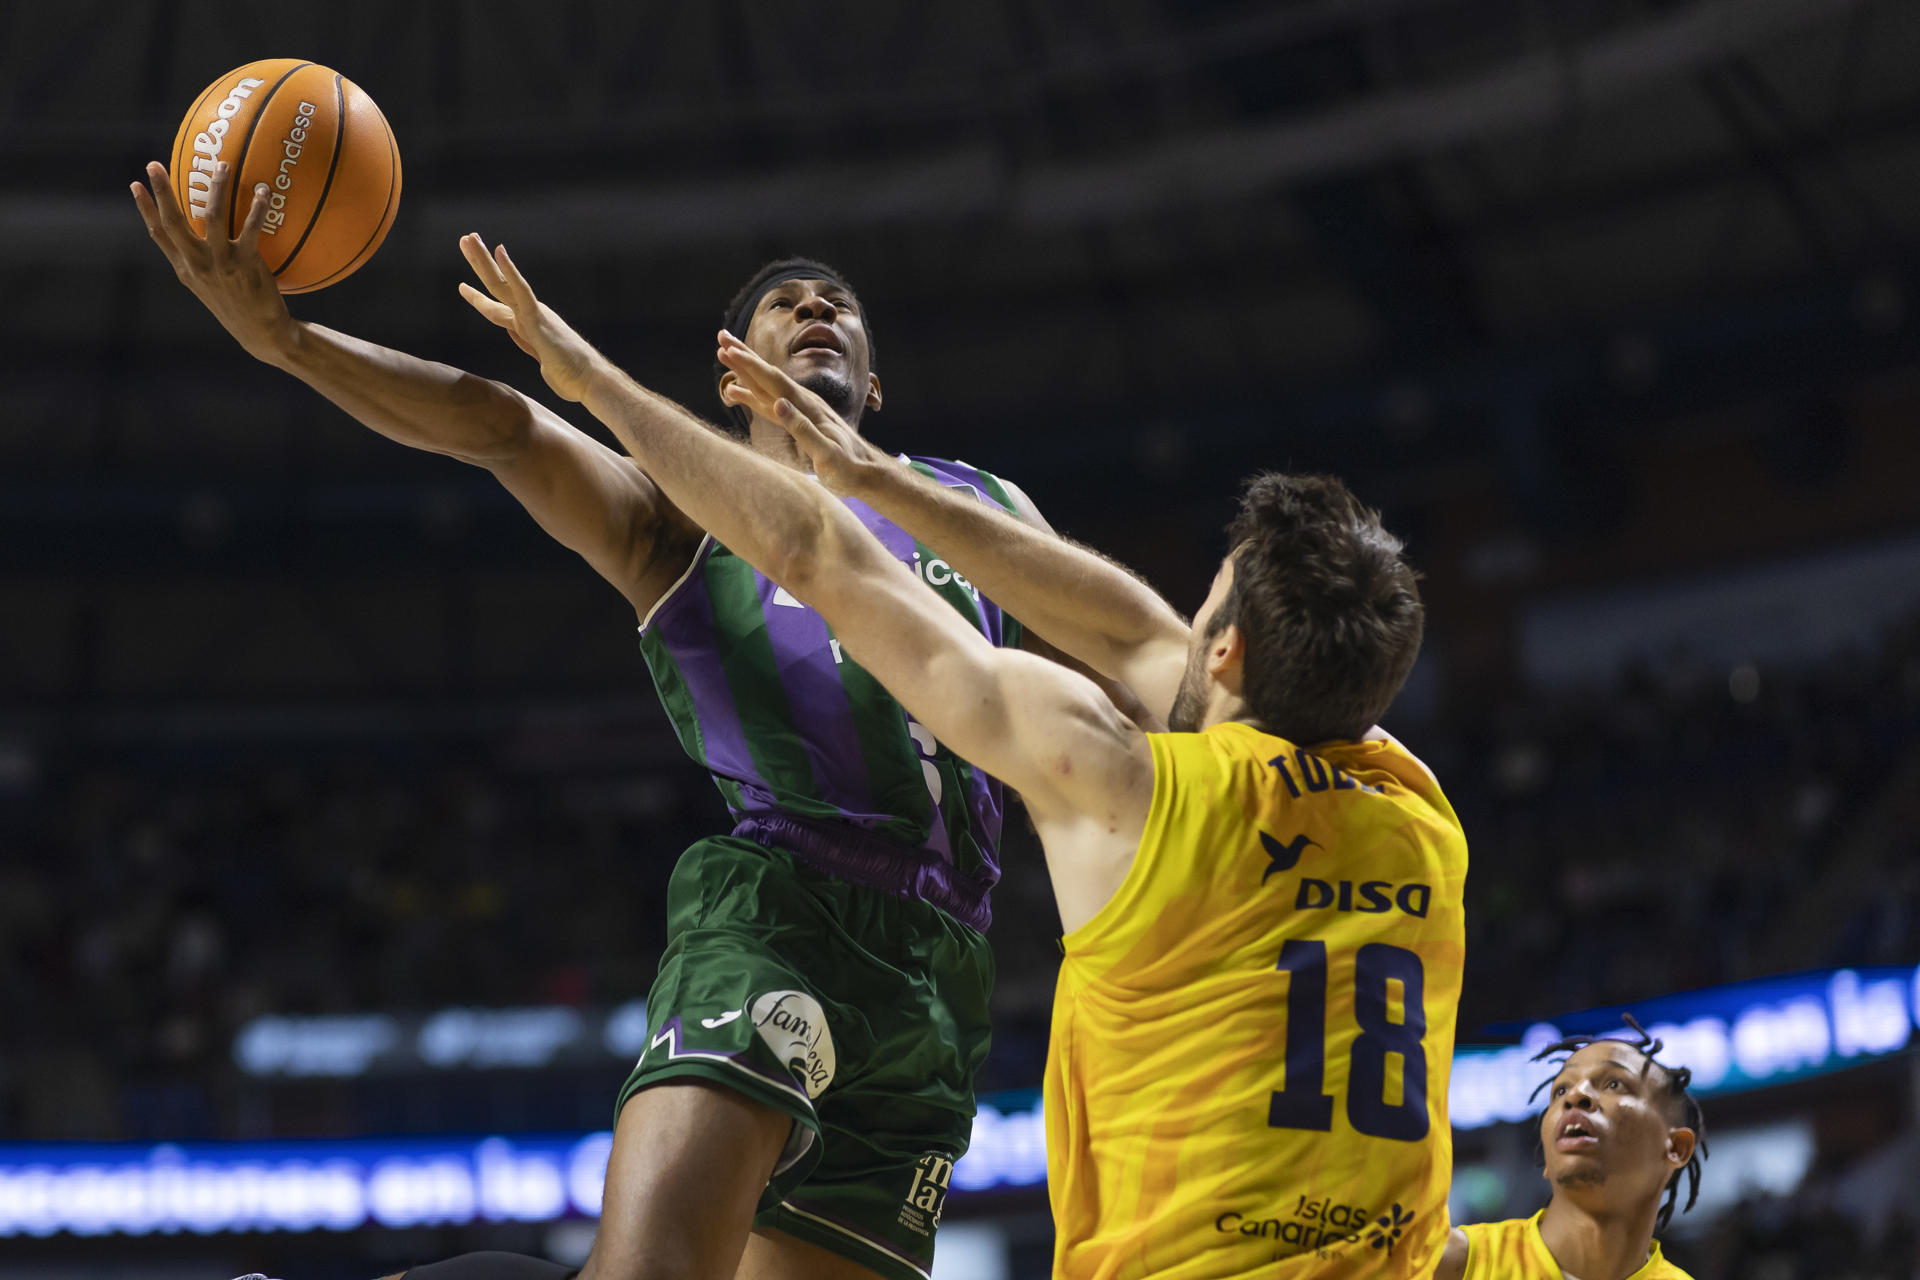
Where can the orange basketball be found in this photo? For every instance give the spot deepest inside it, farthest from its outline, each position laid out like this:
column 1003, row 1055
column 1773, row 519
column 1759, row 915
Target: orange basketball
column 329, row 160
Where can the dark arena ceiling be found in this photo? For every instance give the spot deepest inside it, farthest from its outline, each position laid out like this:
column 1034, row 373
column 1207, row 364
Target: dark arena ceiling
column 1151, row 244
column 1061, row 212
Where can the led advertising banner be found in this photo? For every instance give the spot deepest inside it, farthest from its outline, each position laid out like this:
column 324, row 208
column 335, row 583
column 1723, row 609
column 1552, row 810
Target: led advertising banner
column 1744, row 1036
column 91, row 1189
column 529, row 1038
column 1736, row 1037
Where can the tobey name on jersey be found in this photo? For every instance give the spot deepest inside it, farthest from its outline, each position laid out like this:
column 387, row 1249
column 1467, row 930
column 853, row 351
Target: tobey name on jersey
column 1366, row 897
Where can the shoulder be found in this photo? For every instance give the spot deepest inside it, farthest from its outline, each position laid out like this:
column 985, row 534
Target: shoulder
column 998, row 490
column 1204, row 783
column 1659, row 1268
column 1383, row 762
column 1453, row 1259
column 674, row 577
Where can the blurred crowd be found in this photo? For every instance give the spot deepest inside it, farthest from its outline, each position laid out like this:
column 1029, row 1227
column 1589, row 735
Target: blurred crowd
column 153, row 910
column 1796, row 1239
column 1686, row 827
column 1680, row 828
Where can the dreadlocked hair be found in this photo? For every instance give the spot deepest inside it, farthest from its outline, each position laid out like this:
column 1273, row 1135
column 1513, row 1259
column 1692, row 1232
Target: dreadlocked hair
column 1680, row 1104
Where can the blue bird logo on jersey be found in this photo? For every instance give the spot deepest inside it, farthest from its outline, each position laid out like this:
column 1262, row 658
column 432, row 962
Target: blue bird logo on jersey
column 1282, row 857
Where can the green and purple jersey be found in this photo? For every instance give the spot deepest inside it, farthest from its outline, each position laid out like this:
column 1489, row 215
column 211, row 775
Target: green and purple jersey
column 811, row 754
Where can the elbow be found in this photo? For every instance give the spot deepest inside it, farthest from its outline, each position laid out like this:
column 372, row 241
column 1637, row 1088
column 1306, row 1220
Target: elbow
column 803, row 555
column 798, row 570
column 503, row 423
column 821, row 555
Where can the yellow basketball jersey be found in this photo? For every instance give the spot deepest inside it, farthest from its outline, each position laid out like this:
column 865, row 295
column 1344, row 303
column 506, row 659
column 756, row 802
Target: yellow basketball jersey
column 1251, row 1042
column 1513, row 1250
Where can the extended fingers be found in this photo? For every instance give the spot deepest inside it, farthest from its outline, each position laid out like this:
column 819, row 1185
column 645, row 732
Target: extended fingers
column 166, row 204
column 474, row 250
column 167, row 210
column 746, row 362
column 821, row 451
column 150, row 214
column 743, row 360
column 519, row 292
column 248, row 241
column 762, row 386
column 219, row 248
column 798, row 424
column 498, row 312
column 752, row 399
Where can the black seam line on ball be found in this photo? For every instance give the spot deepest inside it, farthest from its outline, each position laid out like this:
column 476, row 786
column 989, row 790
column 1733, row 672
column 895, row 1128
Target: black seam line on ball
column 339, row 145
column 393, row 177
column 240, row 161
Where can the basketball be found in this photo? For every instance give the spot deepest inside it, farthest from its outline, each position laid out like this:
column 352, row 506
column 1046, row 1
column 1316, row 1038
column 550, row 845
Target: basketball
column 324, row 151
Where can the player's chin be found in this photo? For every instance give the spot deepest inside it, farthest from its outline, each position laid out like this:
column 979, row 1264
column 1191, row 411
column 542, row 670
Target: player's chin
column 1575, row 1169
column 831, row 384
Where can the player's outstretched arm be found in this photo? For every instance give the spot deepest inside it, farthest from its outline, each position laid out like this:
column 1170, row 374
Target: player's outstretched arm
column 1084, row 604
column 585, row 495
column 1085, row 771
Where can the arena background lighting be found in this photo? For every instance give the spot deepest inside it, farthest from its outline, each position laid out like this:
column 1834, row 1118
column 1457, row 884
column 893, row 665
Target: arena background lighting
column 1736, row 1038
column 337, row 808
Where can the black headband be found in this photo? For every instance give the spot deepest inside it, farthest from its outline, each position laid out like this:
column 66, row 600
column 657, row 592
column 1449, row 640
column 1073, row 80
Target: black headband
column 743, row 315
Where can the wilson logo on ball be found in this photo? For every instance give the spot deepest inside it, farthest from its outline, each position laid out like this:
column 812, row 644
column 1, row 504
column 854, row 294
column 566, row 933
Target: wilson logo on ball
column 206, row 147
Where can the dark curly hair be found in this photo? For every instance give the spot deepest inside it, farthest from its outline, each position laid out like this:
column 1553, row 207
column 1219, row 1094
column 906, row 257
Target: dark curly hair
column 1329, row 611
column 1682, row 1107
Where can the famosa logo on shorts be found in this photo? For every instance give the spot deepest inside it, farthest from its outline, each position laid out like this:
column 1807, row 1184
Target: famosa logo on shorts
column 795, row 1027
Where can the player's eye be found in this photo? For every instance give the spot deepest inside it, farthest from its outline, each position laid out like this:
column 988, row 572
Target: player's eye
column 778, row 302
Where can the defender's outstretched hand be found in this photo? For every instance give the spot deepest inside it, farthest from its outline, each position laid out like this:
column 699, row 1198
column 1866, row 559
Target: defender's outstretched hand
column 843, row 459
column 537, row 329
column 229, row 276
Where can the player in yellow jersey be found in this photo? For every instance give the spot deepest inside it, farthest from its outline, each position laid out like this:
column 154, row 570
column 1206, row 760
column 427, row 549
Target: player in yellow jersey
column 1248, row 1070
column 1619, row 1132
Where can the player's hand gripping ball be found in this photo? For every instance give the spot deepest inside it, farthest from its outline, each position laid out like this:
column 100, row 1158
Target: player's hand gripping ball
column 324, row 152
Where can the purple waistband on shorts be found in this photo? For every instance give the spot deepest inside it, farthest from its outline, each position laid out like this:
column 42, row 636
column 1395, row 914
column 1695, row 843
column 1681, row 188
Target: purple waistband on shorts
column 873, row 861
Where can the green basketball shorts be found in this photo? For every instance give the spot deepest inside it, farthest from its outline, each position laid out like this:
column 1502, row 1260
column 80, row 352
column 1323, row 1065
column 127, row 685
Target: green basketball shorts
column 861, row 1015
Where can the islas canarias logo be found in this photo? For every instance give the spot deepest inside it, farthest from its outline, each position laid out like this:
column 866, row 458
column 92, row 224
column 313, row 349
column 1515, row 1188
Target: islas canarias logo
column 1311, row 1224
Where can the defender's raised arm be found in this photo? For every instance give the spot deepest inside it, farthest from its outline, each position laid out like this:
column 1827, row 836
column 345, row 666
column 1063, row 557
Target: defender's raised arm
column 1077, row 600
column 1046, row 731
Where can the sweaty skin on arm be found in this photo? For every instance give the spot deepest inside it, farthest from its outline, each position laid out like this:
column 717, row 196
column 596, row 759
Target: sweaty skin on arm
column 1130, row 704
column 1082, row 604
column 588, row 497
column 1085, row 771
